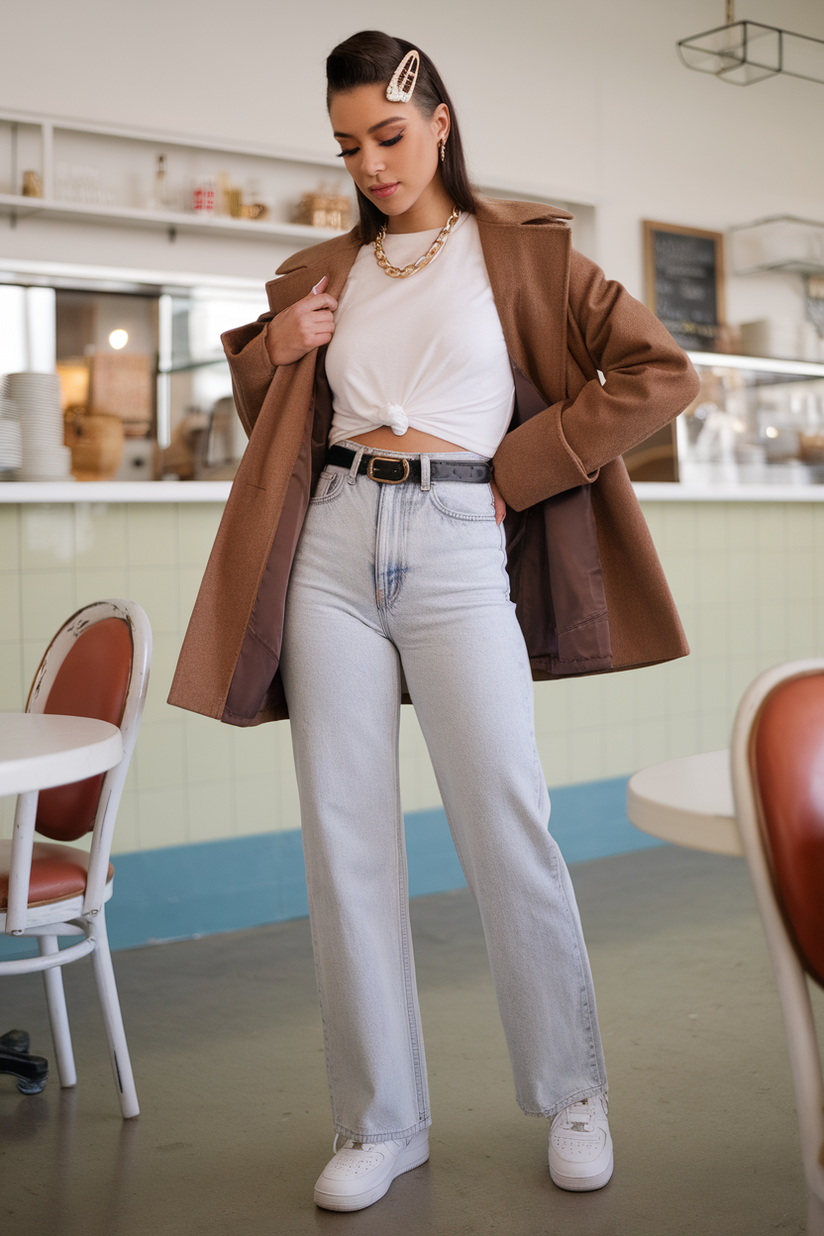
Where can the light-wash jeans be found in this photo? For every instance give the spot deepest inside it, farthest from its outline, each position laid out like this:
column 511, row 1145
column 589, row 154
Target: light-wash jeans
column 390, row 575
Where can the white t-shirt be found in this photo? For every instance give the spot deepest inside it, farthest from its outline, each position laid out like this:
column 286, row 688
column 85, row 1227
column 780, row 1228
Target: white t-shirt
column 426, row 351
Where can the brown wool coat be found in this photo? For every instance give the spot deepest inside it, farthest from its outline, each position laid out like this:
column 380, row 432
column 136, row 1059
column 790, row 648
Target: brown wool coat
column 590, row 593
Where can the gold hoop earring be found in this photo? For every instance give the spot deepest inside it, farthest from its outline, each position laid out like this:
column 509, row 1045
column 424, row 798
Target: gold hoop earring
column 442, row 148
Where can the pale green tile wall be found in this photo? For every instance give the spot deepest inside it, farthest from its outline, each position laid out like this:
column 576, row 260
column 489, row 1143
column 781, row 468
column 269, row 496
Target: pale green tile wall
column 748, row 579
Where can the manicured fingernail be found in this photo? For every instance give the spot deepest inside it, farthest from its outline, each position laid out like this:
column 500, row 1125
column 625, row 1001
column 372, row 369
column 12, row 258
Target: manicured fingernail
column 317, row 285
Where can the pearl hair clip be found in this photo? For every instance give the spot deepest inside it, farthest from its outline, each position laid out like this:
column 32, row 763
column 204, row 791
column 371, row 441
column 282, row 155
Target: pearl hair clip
column 402, row 85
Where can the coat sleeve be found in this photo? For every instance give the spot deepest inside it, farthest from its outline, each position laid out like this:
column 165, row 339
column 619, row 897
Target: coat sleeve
column 251, row 368
column 649, row 380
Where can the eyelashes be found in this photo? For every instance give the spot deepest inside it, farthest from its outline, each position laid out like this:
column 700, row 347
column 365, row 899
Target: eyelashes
column 392, row 141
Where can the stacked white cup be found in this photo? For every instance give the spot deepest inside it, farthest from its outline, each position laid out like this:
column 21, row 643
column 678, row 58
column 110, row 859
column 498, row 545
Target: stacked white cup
column 11, row 454
column 37, row 396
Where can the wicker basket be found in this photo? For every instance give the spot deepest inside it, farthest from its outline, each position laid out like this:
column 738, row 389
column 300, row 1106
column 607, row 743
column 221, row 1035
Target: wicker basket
column 333, row 210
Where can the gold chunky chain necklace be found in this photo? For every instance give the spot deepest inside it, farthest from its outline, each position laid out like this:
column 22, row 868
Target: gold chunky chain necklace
column 403, row 272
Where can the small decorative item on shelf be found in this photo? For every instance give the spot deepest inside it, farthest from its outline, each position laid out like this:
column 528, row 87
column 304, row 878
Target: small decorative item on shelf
column 254, row 210
column 203, row 198
column 229, row 200
column 159, row 199
column 80, row 182
column 325, row 208
column 234, row 201
column 223, row 187
column 96, row 443
column 251, row 206
column 32, row 184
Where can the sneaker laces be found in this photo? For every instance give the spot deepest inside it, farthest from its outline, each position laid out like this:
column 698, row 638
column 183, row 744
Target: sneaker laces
column 580, row 1117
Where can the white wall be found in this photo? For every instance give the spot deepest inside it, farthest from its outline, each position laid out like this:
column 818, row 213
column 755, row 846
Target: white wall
column 586, row 101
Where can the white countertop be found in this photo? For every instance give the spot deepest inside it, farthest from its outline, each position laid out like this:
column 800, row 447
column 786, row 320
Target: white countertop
column 114, row 491
column 218, row 491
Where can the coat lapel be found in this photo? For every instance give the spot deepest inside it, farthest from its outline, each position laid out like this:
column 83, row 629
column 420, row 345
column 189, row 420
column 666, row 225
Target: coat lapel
column 336, row 261
column 283, row 415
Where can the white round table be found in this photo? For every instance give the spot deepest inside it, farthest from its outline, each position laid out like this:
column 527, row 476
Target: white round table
column 687, row 801
column 39, row 750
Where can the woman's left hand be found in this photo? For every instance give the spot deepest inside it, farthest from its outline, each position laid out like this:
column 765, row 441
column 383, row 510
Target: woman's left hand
column 500, row 505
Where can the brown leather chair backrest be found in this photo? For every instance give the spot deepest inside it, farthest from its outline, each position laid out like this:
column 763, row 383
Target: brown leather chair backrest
column 787, row 758
column 92, row 682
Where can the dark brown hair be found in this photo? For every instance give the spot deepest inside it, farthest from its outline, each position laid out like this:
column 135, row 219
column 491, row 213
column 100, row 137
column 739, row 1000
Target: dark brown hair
column 370, row 58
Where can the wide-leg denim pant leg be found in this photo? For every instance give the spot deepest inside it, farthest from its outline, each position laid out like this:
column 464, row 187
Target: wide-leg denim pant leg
column 389, row 575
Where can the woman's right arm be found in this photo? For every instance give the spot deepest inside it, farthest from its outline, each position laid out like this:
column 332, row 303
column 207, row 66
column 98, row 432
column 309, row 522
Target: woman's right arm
column 254, row 352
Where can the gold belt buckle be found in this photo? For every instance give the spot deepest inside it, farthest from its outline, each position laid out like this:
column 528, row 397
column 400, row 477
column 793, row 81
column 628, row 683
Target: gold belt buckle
column 386, row 480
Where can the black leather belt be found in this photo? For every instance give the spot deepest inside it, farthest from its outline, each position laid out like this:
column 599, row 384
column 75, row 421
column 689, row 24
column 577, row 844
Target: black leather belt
column 391, row 470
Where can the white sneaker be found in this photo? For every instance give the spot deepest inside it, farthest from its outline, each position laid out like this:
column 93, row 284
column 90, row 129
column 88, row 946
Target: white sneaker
column 361, row 1172
column 580, row 1146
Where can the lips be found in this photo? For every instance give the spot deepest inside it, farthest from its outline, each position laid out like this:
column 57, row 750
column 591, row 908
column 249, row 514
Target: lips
column 383, row 190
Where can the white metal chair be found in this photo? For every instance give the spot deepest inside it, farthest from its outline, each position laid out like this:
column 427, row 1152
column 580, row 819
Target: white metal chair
column 777, row 760
column 97, row 665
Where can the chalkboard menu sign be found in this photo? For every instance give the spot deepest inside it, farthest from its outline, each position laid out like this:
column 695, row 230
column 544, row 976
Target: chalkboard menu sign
column 685, row 282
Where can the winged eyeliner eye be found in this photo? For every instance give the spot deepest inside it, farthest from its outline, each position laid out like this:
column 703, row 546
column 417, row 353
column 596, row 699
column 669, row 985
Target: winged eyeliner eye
column 391, row 141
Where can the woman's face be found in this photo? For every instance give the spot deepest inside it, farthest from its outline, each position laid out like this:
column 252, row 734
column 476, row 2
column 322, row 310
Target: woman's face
column 391, row 150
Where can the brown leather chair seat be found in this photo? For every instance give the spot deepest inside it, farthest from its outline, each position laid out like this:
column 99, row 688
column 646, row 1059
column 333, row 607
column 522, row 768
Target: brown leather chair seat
column 788, row 764
column 57, row 872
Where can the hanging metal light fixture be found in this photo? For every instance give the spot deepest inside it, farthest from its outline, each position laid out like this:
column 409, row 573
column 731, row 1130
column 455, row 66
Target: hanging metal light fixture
column 745, row 52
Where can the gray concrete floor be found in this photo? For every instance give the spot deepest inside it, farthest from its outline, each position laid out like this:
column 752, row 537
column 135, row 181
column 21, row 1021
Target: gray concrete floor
column 226, row 1045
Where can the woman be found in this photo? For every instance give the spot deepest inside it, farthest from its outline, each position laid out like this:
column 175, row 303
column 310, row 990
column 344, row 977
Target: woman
column 421, row 378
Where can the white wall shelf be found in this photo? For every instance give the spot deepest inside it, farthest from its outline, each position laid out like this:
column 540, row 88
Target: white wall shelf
column 18, row 207
column 126, row 160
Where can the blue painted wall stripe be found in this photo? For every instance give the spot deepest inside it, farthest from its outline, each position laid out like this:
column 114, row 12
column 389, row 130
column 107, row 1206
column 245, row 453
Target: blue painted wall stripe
column 189, row 890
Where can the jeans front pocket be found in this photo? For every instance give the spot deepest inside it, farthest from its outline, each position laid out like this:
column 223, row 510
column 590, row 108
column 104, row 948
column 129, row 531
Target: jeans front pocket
column 330, row 484
column 464, row 499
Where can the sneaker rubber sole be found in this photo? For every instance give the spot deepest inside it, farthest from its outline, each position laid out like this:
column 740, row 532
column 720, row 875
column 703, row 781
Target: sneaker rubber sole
column 583, row 1184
